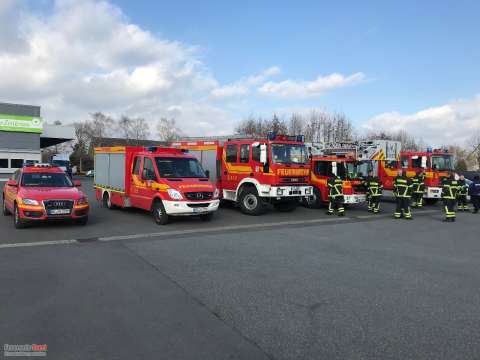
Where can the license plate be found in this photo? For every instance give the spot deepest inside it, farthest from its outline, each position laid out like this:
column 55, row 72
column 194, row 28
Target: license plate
column 59, row 211
column 199, row 210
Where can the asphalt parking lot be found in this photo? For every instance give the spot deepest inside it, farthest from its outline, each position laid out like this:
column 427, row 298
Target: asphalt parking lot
column 296, row 285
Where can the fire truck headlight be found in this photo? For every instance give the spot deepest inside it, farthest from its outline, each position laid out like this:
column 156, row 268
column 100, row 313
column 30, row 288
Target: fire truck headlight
column 308, row 191
column 29, row 202
column 279, row 191
column 216, row 193
column 175, row 194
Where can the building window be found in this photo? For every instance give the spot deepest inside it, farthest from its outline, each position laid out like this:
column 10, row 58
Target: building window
column 231, row 153
column 16, row 163
column 244, row 153
column 3, row 163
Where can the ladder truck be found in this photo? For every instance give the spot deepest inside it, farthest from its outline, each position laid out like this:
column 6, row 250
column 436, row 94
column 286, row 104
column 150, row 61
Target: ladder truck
column 330, row 159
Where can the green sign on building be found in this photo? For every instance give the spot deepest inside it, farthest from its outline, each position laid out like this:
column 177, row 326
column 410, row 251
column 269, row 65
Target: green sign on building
column 16, row 123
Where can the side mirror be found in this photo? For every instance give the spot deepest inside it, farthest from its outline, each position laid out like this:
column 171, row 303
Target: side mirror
column 207, row 173
column 12, row 183
column 77, row 183
column 424, row 162
column 334, row 168
column 263, row 154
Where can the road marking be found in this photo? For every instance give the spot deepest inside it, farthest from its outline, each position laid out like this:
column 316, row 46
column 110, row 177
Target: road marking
column 220, row 228
column 39, row 243
column 202, row 231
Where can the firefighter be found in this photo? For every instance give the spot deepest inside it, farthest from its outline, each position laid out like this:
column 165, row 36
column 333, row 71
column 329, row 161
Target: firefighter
column 449, row 197
column 474, row 192
column 335, row 196
column 374, row 192
column 418, row 189
column 402, row 189
column 462, row 194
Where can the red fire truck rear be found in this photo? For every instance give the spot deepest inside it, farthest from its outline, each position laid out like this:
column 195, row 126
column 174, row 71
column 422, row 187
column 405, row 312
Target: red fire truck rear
column 387, row 158
column 254, row 172
column 165, row 181
column 340, row 159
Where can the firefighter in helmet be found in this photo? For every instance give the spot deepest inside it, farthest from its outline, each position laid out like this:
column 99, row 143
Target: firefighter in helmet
column 418, row 189
column 374, row 192
column 402, row 189
column 462, row 194
column 335, row 196
column 449, row 197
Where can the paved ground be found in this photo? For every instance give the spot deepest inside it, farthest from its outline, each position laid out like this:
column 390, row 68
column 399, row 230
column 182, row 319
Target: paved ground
column 310, row 288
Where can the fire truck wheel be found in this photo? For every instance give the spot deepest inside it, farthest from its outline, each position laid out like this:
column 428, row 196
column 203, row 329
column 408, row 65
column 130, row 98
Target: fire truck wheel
column 286, row 206
column 314, row 201
column 159, row 214
column 107, row 201
column 250, row 202
column 431, row 201
column 6, row 212
column 17, row 220
column 206, row 217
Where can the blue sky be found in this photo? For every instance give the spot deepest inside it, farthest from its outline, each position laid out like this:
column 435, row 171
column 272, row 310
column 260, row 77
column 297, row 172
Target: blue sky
column 394, row 65
column 416, row 54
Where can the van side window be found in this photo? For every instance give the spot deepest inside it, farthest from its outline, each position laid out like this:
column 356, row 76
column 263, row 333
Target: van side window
column 136, row 165
column 231, row 153
column 148, row 169
column 244, row 153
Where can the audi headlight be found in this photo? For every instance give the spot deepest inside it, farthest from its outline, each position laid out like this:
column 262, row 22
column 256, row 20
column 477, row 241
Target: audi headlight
column 29, row 202
column 175, row 194
column 216, row 193
column 82, row 201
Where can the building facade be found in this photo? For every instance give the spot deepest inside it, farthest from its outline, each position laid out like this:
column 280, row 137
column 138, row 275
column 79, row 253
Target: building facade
column 23, row 134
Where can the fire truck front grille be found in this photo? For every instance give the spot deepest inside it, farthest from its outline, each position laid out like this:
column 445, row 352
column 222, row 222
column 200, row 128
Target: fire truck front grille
column 292, row 180
column 202, row 195
column 197, row 205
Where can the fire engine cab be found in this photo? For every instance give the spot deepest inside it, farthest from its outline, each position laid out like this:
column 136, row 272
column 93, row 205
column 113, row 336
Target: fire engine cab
column 387, row 158
column 253, row 172
column 166, row 181
column 327, row 160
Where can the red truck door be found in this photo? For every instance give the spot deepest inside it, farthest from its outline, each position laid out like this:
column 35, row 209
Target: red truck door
column 145, row 191
column 229, row 163
column 137, row 183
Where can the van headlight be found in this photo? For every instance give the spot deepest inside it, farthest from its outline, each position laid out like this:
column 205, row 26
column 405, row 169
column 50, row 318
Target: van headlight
column 175, row 194
column 29, row 202
column 216, row 193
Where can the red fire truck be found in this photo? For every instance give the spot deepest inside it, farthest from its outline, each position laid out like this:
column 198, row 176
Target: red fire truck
column 387, row 158
column 253, row 172
column 166, row 181
column 327, row 160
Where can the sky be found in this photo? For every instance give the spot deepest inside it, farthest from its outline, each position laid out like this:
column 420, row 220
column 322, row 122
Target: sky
column 390, row 65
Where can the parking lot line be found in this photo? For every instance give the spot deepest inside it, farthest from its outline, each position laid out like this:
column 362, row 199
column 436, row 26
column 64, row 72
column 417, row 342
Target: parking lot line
column 38, row 243
column 221, row 228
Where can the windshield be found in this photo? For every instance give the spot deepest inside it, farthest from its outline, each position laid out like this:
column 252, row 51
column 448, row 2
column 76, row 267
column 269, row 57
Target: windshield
column 59, row 163
column 289, row 154
column 443, row 162
column 169, row 167
column 46, row 180
column 350, row 170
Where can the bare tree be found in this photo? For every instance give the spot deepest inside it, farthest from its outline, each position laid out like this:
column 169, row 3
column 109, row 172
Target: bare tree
column 139, row 129
column 124, row 126
column 167, row 130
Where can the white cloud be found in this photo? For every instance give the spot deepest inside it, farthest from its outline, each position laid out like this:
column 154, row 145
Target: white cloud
column 454, row 122
column 243, row 86
column 306, row 89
